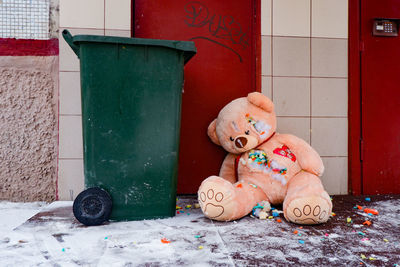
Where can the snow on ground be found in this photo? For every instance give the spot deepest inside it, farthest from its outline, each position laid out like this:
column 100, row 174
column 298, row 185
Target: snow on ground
column 14, row 214
column 56, row 239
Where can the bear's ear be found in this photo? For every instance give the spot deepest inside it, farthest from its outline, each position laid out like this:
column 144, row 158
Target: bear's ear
column 261, row 101
column 212, row 132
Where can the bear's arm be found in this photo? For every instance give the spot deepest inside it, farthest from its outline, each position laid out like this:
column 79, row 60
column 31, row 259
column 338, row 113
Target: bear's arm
column 307, row 157
column 228, row 171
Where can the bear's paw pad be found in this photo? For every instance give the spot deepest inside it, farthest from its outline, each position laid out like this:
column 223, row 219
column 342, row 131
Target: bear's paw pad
column 215, row 201
column 309, row 210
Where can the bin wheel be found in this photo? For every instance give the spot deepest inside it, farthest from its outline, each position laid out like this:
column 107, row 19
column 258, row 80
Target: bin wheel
column 92, row 206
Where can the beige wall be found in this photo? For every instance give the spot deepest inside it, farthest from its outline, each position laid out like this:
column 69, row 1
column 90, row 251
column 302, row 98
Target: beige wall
column 98, row 17
column 304, row 71
column 28, row 128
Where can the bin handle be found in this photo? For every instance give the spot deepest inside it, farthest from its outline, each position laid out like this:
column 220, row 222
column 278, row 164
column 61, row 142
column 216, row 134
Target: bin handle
column 68, row 38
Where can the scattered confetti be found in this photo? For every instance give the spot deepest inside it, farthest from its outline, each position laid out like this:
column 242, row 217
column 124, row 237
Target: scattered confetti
column 200, row 247
column 270, row 217
column 301, row 241
column 365, row 239
column 299, row 234
column 275, row 214
column 372, row 259
column 385, row 240
column 326, row 234
column 368, row 199
column 197, row 236
column 279, row 220
column 363, row 256
column 106, row 237
column 295, row 232
column 367, row 223
column 348, row 220
column 165, row 241
column 359, row 207
column 372, row 211
column 63, row 250
column 178, row 208
column 361, row 233
column 188, row 206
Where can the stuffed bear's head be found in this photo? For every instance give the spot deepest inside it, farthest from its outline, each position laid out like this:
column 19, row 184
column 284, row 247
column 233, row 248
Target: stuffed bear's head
column 244, row 123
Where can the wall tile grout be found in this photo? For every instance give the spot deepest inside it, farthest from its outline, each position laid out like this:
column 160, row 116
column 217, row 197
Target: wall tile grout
column 272, row 51
column 310, row 72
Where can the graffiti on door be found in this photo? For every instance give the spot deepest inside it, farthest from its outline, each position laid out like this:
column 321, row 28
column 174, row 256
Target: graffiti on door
column 219, row 27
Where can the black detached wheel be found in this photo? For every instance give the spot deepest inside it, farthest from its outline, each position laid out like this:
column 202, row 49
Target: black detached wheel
column 92, row 206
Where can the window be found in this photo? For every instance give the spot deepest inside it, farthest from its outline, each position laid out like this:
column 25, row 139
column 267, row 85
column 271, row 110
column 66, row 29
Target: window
column 24, row 19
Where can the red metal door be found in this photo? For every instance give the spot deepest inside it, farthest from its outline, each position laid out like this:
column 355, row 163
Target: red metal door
column 226, row 35
column 380, row 86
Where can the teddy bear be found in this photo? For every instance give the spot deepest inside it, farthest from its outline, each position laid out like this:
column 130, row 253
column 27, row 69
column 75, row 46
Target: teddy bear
column 262, row 165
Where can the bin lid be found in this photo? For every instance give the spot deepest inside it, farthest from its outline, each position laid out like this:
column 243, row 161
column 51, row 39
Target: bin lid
column 188, row 47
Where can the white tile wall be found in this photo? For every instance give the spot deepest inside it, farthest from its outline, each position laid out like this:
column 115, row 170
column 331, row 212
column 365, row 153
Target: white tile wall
column 71, row 137
column 70, row 93
column 330, row 18
column 70, row 182
column 329, row 97
column 82, row 14
column 335, row 176
column 296, row 126
column 118, row 14
column 291, row 18
column 266, row 17
column 291, row 96
column 329, row 136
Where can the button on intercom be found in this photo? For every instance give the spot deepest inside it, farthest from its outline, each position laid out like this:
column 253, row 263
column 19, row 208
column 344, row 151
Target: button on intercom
column 385, row 27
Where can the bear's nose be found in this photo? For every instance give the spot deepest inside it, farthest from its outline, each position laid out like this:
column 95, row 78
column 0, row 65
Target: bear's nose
column 240, row 142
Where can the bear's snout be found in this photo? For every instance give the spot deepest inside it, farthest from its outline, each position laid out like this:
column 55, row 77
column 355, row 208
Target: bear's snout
column 241, row 142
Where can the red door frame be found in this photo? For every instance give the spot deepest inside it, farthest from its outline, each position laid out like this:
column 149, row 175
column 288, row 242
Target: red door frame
column 354, row 111
column 256, row 38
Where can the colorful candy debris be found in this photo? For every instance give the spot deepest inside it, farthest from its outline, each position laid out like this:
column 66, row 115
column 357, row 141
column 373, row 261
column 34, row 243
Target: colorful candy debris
column 188, row 206
column 367, row 223
column 295, row 232
column 348, row 220
column 385, row 240
column 200, row 247
column 363, row 256
column 372, row 211
column 368, row 199
column 301, row 241
column 165, row 241
column 178, row 208
column 279, row 220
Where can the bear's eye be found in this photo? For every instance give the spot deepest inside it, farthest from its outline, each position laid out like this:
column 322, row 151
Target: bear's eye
column 231, row 139
column 247, row 132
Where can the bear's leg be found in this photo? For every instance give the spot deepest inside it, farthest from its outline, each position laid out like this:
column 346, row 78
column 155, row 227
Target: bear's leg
column 223, row 201
column 306, row 201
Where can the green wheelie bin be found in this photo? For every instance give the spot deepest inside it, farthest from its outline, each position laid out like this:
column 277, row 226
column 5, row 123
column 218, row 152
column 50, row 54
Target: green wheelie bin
column 131, row 106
